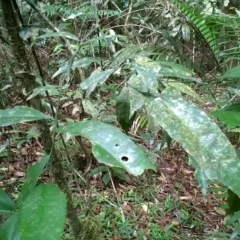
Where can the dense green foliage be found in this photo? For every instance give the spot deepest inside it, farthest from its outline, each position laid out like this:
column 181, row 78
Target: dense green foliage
column 158, row 63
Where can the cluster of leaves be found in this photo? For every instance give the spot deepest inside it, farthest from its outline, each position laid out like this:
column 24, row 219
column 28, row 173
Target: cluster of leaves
column 156, row 88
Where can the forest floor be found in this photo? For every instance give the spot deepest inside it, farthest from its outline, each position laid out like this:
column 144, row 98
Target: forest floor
column 166, row 205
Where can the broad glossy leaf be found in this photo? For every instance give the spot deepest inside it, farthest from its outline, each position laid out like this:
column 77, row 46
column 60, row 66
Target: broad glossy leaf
column 20, row 114
column 33, row 174
column 43, row 214
column 96, row 78
column 199, row 136
column 110, row 146
column 6, row 203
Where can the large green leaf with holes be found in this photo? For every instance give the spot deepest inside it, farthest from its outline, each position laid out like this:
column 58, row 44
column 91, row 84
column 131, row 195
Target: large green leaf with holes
column 216, row 158
column 110, row 146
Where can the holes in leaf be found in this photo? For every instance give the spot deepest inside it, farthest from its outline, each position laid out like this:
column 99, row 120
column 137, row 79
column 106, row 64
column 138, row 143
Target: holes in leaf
column 124, row 158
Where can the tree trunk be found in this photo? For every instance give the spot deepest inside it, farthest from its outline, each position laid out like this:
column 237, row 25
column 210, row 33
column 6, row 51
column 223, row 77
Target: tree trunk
column 23, row 62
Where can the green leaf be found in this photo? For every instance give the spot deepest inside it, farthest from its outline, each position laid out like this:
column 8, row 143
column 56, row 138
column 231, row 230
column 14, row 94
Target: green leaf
column 106, row 178
column 199, row 136
column 169, row 69
column 51, row 89
column 181, row 87
column 232, row 119
column 90, row 108
column 98, row 170
column 123, row 110
column 43, row 214
column 148, row 71
column 120, row 173
column 234, row 107
column 232, row 73
column 58, row 34
column 6, row 203
column 10, row 228
column 235, row 232
column 200, row 175
column 138, row 93
column 83, row 62
column 33, row 174
column 20, row 114
column 110, row 146
column 96, row 78
column 233, row 203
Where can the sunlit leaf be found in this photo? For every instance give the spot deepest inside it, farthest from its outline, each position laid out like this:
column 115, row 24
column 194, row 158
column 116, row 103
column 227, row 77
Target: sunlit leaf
column 181, row 87
column 199, row 136
column 148, row 72
column 20, row 114
column 110, row 146
column 139, row 94
column 96, row 78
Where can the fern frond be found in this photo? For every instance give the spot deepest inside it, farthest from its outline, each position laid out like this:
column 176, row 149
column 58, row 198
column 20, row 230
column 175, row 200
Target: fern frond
column 200, row 24
column 88, row 12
